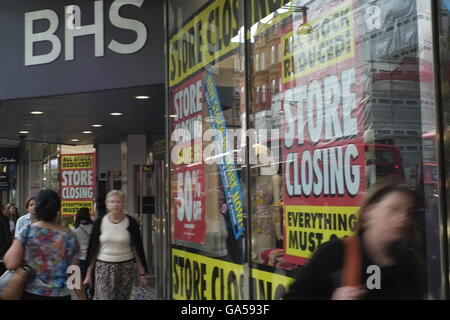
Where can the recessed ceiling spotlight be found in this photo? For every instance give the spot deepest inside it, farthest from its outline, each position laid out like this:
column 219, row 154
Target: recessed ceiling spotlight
column 97, row 125
column 116, row 113
column 141, row 97
column 24, row 132
column 87, row 131
column 36, row 112
column 74, row 140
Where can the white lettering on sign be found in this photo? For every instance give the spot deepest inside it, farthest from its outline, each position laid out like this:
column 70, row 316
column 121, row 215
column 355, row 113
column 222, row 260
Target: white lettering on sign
column 188, row 101
column 78, row 193
column 315, row 113
column 323, row 117
column 77, row 178
column 73, row 29
column 188, row 189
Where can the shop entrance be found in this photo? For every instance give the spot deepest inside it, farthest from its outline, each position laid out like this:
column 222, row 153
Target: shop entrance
column 103, row 139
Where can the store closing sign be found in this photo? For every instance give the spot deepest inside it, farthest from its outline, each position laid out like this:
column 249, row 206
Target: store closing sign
column 188, row 169
column 196, row 277
column 202, row 40
column 213, row 33
column 323, row 150
column 77, row 182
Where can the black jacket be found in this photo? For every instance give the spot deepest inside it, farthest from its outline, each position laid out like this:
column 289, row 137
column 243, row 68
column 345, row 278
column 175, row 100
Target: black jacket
column 322, row 276
column 135, row 235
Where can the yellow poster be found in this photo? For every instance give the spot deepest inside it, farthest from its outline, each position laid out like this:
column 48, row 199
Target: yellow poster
column 329, row 41
column 69, row 208
column 196, row 277
column 78, row 161
column 211, row 34
column 308, row 227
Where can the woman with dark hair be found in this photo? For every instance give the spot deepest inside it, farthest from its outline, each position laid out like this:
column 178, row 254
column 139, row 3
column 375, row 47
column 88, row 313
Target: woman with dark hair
column 11, row 213
column 344, row 269
column 83, row 229
column 49, row 249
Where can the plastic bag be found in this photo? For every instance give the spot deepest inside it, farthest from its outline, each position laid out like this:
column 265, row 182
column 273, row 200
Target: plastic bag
column 140, row 293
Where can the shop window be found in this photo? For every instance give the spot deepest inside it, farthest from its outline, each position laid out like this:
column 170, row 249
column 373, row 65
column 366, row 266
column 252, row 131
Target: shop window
column 318, row 110
column 257, row 95
column 263, row 61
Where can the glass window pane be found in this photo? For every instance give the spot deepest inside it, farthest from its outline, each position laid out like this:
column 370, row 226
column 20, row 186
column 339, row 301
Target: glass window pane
column 207, row 111
column 356, row 104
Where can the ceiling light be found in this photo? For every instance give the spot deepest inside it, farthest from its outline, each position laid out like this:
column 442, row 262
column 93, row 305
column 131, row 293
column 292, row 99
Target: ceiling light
column 173, row 116
column 87, row 131
column 141, row 97
column 116, row 113
column 97, row 125
column 74, row 140
column 24, row 132
column 36, row 112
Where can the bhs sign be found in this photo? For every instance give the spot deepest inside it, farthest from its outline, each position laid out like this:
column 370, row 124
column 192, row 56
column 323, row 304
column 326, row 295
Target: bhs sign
column 73, row 29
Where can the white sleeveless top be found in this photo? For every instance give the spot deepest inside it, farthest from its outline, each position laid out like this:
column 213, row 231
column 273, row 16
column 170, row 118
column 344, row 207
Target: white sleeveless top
column 115, row 241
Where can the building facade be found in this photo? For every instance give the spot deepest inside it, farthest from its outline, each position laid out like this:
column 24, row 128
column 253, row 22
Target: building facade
column 281, row 115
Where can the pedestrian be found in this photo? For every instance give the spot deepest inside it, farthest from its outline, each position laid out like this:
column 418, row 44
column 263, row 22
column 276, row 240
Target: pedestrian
column 49, row 249
column 83, row 228
column 5, row 240
column 100, row 207
column 10, row 212
column 382, row 242
column 29, row 217
column 115, row 252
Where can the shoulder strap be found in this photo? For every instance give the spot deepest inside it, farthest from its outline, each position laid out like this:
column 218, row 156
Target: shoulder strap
column 351, row 273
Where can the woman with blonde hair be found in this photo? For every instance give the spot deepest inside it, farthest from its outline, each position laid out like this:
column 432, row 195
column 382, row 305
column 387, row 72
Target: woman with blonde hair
column 339, row 268
column 115, row 252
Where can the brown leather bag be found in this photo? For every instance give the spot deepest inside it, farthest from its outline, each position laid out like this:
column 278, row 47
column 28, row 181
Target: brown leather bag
column 351, row 273
column 16, row 285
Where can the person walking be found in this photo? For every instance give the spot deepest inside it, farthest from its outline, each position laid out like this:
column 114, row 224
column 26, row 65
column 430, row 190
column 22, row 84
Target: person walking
column 49, row 249
column 83, row 228
column 29, row 217
column 115, row 252
column 384, row 237
column 5, row 240
column 10, row 212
